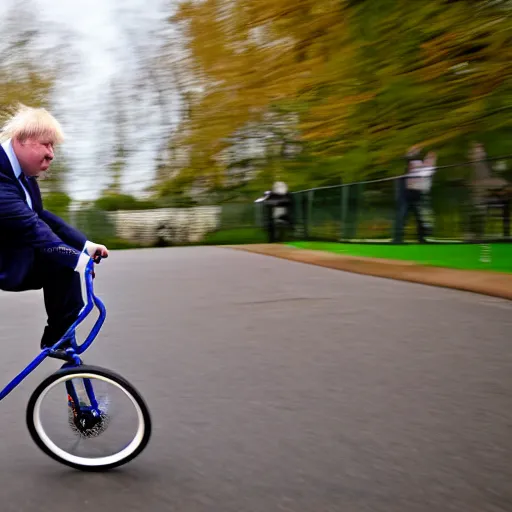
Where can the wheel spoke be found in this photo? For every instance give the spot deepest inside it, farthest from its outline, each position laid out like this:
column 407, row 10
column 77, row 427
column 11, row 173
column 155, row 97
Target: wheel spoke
column 75, row 446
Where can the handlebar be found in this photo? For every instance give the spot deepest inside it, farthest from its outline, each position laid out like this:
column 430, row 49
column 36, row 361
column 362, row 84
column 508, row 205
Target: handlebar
column 97, row 257
column 90, row 301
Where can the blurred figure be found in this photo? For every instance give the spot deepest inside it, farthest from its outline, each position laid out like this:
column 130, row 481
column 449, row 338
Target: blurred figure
column 416, row 195
column 485, row 190
column 278, row 208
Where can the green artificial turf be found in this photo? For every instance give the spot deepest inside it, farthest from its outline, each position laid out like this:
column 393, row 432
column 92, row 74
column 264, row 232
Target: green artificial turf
column 461, row 256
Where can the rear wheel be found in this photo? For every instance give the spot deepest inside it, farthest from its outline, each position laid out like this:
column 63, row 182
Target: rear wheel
column 88, row 418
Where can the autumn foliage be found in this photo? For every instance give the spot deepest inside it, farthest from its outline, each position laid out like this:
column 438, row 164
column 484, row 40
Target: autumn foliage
column 324, row 90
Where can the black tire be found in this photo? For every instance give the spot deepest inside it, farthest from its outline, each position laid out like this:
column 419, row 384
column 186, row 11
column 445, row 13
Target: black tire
column 32, row 410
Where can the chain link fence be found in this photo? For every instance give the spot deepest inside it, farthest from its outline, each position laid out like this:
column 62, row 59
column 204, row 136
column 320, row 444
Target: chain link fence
column 462, row 207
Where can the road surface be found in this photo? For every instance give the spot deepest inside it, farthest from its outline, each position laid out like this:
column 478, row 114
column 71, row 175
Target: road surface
column 278, row 386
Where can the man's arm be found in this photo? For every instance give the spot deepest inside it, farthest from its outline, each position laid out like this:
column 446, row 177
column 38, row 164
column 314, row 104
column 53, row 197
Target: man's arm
column 72, row 236
column 63, row 230
column 20, row 226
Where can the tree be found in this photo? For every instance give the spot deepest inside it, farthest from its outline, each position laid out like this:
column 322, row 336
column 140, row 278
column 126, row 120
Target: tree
column 23, row 78
column 29, row 67
column 355, row 91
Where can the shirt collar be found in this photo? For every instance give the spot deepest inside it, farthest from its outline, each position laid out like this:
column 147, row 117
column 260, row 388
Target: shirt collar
column 13, row 159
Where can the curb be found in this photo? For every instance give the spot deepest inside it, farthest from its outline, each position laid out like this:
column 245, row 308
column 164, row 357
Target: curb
column 493, row 284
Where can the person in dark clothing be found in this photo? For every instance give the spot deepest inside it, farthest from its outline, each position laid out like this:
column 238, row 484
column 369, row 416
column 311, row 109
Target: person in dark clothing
column 415, row 193
column 278, row 212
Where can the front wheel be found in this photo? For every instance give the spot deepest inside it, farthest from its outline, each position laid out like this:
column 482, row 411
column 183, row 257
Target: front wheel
column 88, row 418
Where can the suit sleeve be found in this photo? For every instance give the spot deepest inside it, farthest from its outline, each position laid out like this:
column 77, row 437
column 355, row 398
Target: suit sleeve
column 20, row 226
column 63, row 230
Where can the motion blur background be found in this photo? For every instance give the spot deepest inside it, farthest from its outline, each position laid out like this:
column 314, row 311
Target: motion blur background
column 180, row 114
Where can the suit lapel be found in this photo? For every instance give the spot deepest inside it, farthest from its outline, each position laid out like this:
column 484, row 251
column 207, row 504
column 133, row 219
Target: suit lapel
column 5, row 165
column 31, row 183
column 7, row 170
column 35, row 194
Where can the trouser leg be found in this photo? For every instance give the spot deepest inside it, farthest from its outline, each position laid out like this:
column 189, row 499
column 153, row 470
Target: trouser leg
column 63, row 301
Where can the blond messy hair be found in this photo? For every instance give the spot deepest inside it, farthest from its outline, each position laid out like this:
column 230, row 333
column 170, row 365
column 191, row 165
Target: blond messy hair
column 28, row 122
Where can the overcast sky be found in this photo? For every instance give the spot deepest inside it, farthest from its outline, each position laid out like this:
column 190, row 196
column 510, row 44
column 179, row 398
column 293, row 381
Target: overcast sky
column 98, row 37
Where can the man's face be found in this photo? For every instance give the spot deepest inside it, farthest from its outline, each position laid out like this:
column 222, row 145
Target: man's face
column 34, row 154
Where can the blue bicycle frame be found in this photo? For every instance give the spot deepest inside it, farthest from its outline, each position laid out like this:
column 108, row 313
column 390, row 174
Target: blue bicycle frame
column 71, row 354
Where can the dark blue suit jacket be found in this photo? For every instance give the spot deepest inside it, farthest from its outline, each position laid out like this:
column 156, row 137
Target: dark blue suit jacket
column 27, row 233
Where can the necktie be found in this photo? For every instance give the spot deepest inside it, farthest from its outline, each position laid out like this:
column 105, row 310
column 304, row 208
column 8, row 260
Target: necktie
column 26, row 186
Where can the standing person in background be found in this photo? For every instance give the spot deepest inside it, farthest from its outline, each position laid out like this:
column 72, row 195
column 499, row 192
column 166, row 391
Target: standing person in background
column 485, row 189
column 279, row 212
column 417, row 194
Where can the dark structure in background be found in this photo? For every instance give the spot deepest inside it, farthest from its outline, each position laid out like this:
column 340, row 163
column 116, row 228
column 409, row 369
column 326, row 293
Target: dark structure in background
column 278, row 212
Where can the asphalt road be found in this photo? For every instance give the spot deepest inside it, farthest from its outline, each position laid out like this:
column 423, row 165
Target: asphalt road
column 277, row 386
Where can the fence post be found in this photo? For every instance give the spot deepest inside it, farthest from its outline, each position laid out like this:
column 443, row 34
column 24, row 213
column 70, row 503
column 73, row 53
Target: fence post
column 399, row 199
column 304, row 207
column 506, row 219
column 257, row 220
column 357, row 202
column 344, row 207
column 310, row 197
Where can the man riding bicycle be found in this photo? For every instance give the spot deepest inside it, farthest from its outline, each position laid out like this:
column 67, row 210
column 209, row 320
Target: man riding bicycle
column 38, row 250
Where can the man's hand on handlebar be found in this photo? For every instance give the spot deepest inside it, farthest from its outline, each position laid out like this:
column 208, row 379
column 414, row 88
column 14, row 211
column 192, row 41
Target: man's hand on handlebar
column 93, row 251
column 96, row 251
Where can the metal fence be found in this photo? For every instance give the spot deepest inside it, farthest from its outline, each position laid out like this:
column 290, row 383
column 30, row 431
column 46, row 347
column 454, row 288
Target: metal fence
column 463, row 208
column 365, row 211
